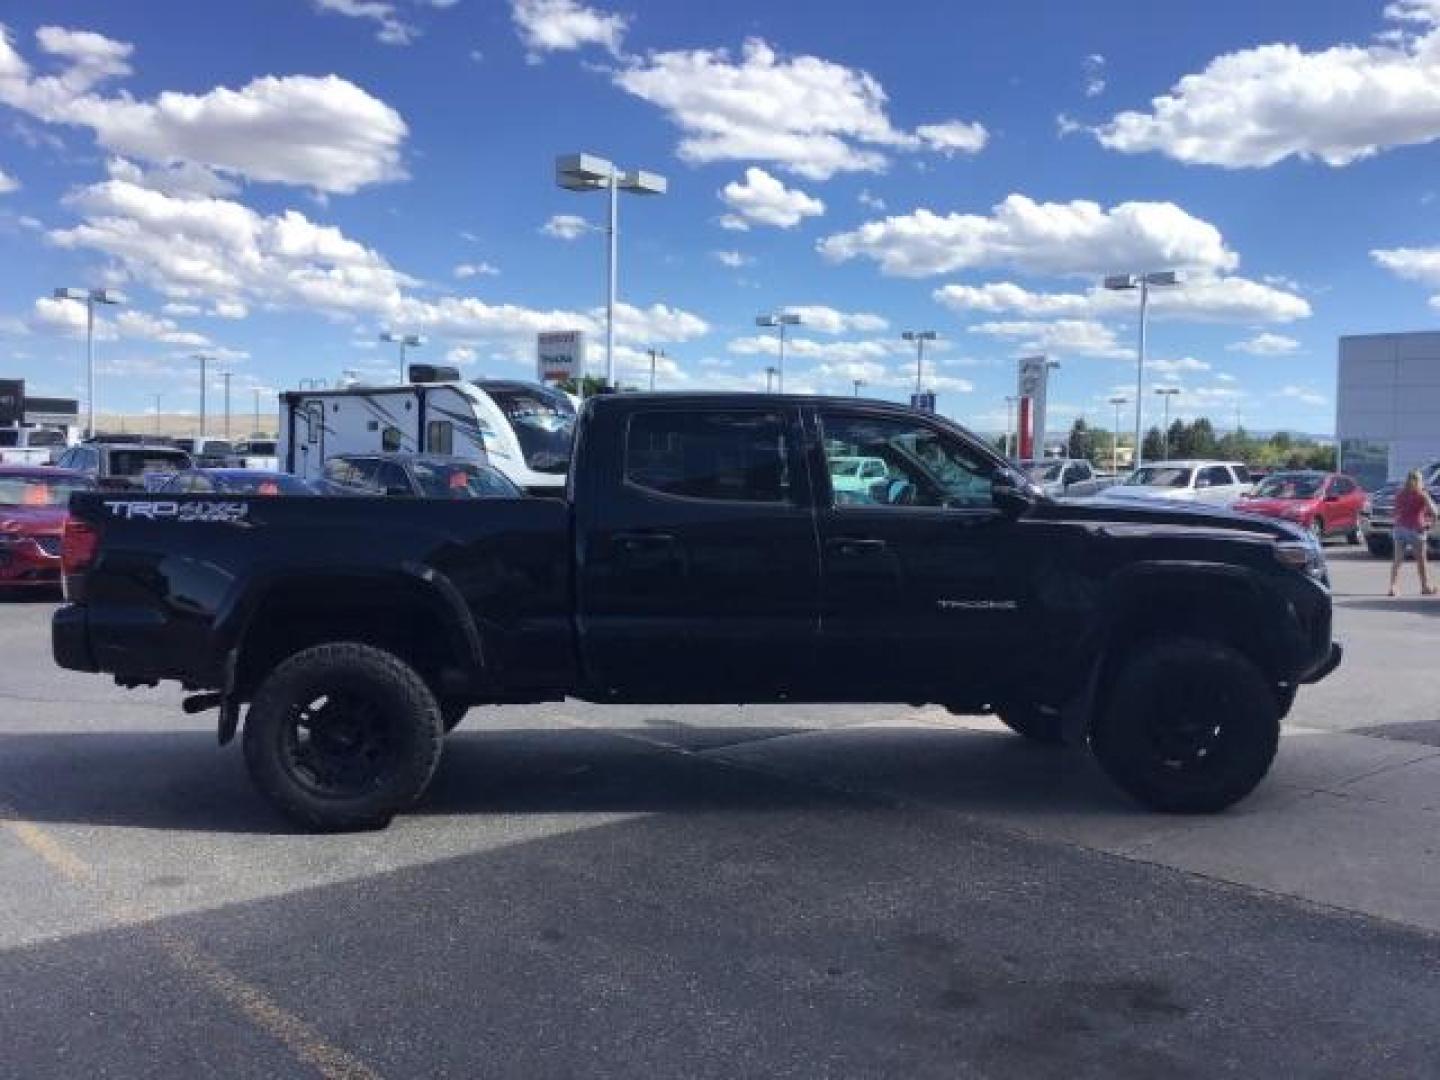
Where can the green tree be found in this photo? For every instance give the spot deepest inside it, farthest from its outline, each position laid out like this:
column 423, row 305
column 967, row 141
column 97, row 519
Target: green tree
column 1178, row 443
column 1202, row 438
column 1153, row 448
column 594, row 384
column 1081, row 444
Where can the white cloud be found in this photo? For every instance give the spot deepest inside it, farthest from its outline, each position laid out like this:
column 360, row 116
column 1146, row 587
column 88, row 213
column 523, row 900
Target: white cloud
column 460, row 355
column 67, row 317
column 733, row 259
column 828, row 320
column 1413, row 264
column 1258, row 106
column 811, row 116
column 547, row 26
column 1078, row 237
column 869, row 200
column 321, row 132
column 8, row 183
column 1094, row 70
column 764, row 200
column 172, row 178
column 470, row 270
column 391, row 29
column 1225, row 376
column 1305, row 396
column 1265, row 345
column 1202, row 298
column 954, row 137
column 177, row 307
column 1185, row 365
column 229, row 309
column 1079, row 337
column 566, row 226
column 658, row 322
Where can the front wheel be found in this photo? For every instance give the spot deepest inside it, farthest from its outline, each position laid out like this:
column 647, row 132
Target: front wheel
column 342, row 736
column 1189, row 726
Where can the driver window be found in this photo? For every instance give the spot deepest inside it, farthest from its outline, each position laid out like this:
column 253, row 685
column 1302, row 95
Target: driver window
column 921, row 466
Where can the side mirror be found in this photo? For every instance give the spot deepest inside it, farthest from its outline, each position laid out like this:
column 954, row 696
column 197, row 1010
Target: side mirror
column 1010, row 498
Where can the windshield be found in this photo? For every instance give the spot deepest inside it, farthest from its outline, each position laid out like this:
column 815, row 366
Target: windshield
column 543, row 421
column 462, row 480
column 1166, row 476
column 1289, row 487
column 845, row 467
column 39, row 491
column 260, row 449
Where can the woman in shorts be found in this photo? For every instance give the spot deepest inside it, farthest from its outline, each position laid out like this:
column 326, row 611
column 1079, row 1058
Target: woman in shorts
column 1415, row 514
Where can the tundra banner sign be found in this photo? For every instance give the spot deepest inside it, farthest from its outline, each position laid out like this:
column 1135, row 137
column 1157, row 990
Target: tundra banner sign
column 559, row 355
column 12, row 401
column 1033, row 375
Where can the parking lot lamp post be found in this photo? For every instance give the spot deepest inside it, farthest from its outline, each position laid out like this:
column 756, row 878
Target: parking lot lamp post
column 1115, row 436
column 919, row 337
column 780, row 320
column 769, row 379
column 256, row 391
column 1009, row 424
column 1166, row 392
column 226, row 376
column 90, row 297
column 858, row 383
column 204, row 376
column 586, row 172
column 653, row 354
column 1143, row 282
column 157, row 414
column 413, row 341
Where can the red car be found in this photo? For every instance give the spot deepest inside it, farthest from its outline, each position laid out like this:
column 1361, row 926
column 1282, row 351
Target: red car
column 1328, row 504
column 34, row 503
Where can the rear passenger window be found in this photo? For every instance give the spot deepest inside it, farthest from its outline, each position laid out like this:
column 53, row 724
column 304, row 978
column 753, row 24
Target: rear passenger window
column 1214, row 476
column 725, row 456
column 440, row 437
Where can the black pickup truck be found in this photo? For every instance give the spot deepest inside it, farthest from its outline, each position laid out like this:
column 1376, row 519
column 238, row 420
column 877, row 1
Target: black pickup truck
column 704, row 554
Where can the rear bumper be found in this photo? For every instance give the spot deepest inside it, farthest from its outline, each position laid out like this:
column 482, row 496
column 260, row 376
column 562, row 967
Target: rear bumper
column 70, row 639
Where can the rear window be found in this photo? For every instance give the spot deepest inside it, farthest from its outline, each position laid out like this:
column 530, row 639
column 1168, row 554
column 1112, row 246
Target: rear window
column 726, row 456
column 139, row 462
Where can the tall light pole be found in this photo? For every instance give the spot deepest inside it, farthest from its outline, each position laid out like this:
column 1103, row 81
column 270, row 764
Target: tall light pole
column 90, row 297
column 586, row 172
column 1143, row 282
column 1166, row 392
column 857, row 384
column 653, row 354
column 413, row 341
column 779, row 319
column 919, row 337
column 256, row 391
column 769, row 379
column 204, row 364
column 1009, row 423
column 157, row 414
column 1117, row 401
column 227, row 376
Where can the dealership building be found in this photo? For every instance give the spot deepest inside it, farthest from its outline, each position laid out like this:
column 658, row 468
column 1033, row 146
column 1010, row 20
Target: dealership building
column 1387, row 417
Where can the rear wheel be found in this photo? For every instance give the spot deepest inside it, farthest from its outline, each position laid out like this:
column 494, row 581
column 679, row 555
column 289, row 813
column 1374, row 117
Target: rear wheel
column 1353, row 537
column 1031, row 721
column 342, row 736
column 1189, row 726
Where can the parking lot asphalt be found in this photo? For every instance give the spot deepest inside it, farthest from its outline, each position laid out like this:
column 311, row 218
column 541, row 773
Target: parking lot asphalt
column 797, row 891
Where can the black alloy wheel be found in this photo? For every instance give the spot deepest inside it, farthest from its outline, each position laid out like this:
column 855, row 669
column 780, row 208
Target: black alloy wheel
column 1189, row 726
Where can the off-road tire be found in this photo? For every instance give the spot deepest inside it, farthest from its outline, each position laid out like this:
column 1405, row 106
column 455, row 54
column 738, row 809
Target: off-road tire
column 401, row 716
column 1027, row 719
column 1188, row 726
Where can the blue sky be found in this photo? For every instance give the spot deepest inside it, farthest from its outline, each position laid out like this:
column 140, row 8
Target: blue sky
column 276, row 182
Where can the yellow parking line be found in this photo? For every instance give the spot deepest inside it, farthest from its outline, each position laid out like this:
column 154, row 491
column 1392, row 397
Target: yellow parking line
column 297, row 1036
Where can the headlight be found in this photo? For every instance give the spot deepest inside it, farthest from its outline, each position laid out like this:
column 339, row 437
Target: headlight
column 1303, row 555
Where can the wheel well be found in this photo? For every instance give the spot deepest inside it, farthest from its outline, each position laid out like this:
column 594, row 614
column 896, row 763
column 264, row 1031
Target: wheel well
column 394, row 615
column 1210, row 609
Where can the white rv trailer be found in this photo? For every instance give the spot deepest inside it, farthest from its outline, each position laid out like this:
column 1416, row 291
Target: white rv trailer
column 523, row 429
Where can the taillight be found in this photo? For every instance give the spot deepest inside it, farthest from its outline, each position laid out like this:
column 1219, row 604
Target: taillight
column 77, row 553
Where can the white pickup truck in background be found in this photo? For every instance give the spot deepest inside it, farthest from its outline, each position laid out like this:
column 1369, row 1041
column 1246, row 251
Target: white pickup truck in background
column 30, row 445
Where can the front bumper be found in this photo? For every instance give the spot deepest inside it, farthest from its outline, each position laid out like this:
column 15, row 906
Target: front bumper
column 1329, row 664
